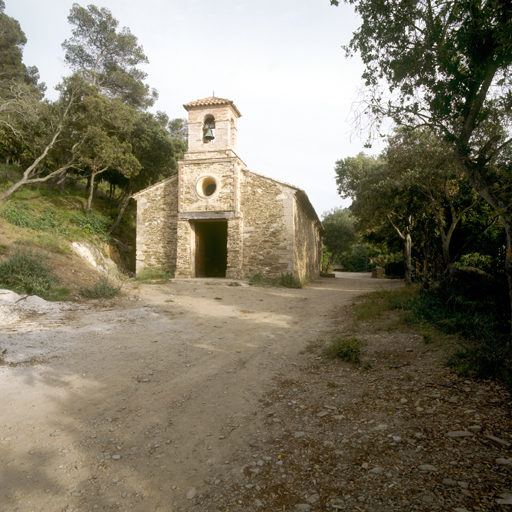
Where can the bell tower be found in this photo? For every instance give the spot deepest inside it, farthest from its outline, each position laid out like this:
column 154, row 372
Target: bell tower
column 210, row 222
column 212, row 125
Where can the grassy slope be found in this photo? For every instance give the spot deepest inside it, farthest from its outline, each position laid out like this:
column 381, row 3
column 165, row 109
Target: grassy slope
column 46, row 221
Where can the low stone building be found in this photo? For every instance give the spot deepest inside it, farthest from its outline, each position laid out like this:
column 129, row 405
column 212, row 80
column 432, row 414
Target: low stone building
column 218, row 219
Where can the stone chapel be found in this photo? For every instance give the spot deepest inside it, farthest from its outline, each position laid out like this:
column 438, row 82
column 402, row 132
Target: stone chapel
column 216, row 218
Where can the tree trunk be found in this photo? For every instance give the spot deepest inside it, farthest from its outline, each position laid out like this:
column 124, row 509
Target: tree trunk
column 508, row 267
column 7, row 158
column 121, row 212
column 407, row 249
column 91, row 191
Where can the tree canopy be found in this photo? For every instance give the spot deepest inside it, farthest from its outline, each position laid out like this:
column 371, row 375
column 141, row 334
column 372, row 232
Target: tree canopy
column 445, row 64
column 107, row 56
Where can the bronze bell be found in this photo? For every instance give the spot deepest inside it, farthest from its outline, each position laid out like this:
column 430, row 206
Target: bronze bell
column 209, row 134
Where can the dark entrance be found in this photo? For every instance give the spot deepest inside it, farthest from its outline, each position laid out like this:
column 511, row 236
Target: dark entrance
column 211, row 248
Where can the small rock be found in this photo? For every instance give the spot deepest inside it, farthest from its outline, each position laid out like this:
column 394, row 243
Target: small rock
column 504, row 462
column 116, row 457
column 321, row 414
column 191, row 493
column 427, row 467
column 303, row 506
column 459, row 433
column 504, row 443
column 299, row 434
column 313, row 498
column 464, row 485
column 403, row 400
column 55, row 434
column 449, row 481
column 397, row 439
column 376, row 470
column 475, row 428
column 506, row 501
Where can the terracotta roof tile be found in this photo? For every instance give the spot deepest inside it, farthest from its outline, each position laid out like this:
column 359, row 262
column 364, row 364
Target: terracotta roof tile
column 211, row 101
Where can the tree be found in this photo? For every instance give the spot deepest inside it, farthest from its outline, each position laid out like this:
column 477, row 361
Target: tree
column 447, row 64
column 41, row 125
column 339, row 235
column 107, row 56
column 379, row 199
column 419, row 159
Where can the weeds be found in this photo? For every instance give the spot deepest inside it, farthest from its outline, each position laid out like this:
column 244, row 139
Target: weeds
column 26, row 272
column 348, row 349
column 152, row 275
column 290, row 281
column 101, row 290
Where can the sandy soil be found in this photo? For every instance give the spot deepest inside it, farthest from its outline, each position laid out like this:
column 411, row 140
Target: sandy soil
column 193, row 394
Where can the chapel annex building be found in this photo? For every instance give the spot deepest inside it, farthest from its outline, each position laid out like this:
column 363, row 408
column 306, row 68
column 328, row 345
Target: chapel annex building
column 216, row 218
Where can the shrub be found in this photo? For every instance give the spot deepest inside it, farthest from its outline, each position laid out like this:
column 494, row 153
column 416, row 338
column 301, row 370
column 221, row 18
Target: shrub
column 290, row 281
column 25, row 272
column 256, row 279
column 348, row 349
column 102, row 289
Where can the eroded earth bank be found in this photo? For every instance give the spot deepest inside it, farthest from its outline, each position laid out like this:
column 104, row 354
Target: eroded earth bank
column 200, row 395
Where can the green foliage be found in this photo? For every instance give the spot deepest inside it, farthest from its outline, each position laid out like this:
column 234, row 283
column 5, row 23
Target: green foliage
column 470, row 315
column 92, row 222
column 26, row 272
column 346, row 348
column 356, row 260
column 153, row 275
column 103, row 288
column 24, row 216
column 107, row 56
column 339, row 235
column 290, row 281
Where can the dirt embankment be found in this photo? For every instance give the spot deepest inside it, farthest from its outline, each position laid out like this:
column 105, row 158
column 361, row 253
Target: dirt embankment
column 198, row 395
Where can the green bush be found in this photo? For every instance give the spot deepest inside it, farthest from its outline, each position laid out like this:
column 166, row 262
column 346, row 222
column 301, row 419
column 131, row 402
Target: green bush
column 25, row 272
column 290, row 281
column 101, row 290
column 256, row 279
column 348, row 349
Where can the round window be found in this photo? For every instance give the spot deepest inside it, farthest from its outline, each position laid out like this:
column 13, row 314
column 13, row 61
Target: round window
column 209, row 187
column 206, row 186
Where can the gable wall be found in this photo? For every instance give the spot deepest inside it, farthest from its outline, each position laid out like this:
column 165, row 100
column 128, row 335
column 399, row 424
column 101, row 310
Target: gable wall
column 225, row 173
column 157, row 214
column 307, row 244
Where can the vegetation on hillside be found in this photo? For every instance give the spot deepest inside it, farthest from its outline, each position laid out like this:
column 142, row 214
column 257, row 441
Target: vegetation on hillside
column 434, row 205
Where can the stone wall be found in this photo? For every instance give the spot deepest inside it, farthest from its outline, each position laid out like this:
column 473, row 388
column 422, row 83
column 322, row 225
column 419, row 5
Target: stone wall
column 186, row 250
column 157, row 215
column 308, row 245
column 223, row 171
column 267, row 209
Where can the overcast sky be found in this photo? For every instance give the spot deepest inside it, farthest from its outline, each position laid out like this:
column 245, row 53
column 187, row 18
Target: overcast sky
column 280, row 61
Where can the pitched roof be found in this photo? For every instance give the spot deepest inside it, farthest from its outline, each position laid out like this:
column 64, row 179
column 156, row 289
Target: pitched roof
column 212, row 101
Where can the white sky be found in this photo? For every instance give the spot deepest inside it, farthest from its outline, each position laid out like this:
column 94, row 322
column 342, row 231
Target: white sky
column 280, row 61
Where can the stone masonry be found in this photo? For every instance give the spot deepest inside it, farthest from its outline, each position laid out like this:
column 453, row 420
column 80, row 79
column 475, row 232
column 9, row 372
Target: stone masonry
column 269, row 226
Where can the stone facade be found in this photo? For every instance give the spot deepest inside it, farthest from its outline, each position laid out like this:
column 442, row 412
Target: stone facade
column 217, row 218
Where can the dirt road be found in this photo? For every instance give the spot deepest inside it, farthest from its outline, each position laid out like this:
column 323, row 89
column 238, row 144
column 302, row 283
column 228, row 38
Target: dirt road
column 135, row 402
column 199, row 395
